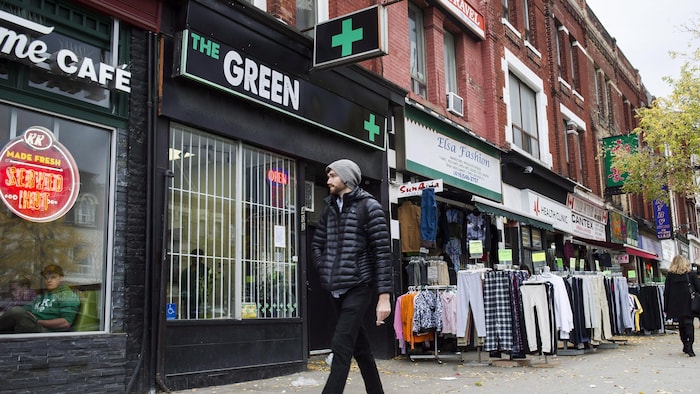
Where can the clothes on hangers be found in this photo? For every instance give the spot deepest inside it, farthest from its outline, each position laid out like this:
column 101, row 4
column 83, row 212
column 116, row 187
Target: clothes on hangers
column 476, row 226
column 409, row 226
column 428, row 218
column 538, row 301
column 470, row 298
column 564, row 317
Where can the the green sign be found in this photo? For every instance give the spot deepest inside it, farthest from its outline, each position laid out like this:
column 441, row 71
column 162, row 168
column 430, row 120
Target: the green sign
column 221, row 65
column 351, row 38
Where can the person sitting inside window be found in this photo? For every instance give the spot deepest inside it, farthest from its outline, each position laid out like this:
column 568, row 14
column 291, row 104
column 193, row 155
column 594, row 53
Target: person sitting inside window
column 53, row 310
column 21, row 293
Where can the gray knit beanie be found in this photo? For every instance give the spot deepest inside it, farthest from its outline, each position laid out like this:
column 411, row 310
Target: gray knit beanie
column 347, row 170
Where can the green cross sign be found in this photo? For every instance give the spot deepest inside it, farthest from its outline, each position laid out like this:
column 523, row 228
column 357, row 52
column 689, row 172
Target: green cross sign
column 347, row 37
column 371, row 127
column 350, row 38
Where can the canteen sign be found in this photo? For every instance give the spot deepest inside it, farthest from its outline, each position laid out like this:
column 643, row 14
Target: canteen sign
column 39, row 180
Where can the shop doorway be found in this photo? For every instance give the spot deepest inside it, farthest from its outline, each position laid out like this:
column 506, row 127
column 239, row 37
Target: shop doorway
column 321, row 315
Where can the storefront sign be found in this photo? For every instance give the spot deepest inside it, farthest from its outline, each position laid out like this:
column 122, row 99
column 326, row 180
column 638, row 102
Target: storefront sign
column 623, row 230
column 662, row 220
column 39, row 180
column 587, row 208
column 35, row 52
column 430, row 153
column 241, row 73
column 587, row 218
column 352, row 37
column 416, row 189
column 587, row 228
column 548, row 211
column 614, row 176
column 472, row 19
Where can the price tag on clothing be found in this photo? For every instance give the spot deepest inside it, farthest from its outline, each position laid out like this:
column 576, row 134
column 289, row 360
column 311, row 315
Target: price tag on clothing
column 476, row 249
column 505, row 255
column 539, row 257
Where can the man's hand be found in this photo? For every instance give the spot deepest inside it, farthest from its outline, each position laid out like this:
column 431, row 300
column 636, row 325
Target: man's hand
column 383, row 308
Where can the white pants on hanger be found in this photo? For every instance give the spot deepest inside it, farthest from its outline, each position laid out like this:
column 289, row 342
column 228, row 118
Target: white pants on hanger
column 535, row 300
column 470, row 293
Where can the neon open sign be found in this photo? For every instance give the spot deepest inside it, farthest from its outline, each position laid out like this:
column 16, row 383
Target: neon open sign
column 277, row 177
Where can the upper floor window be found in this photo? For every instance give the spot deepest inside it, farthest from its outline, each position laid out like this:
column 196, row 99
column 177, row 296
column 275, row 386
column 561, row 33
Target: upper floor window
column 574, row 159
column 523, row 106
column 607, row 103
column 598, row 90
column 506, row 10
column 85, row 209
column 526, row 21
column 306, row 15
column 450, row 63
column 557, row 42
column 416, row 37
column 573, row 63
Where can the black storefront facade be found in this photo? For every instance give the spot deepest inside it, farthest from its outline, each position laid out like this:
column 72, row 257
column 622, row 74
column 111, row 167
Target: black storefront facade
column 244, row 131
column 80, row 70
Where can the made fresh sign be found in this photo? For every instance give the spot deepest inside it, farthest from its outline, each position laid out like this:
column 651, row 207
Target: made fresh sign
column 39, row 180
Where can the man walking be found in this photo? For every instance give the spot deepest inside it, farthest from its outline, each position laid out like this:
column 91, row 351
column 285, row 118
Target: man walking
column 352, row 254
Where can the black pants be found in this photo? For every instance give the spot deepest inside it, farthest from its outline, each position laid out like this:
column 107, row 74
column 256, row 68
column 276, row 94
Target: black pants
column 19, row 320
column 686, row 329
column 350, row 339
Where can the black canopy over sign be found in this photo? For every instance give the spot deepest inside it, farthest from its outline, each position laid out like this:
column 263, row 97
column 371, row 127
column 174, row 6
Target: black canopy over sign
column 351, row 38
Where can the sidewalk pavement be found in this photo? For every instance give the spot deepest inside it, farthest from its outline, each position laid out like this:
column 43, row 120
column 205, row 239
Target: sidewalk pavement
column 636, row 364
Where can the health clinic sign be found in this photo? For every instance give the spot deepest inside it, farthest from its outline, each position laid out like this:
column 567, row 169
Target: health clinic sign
column 39, row 180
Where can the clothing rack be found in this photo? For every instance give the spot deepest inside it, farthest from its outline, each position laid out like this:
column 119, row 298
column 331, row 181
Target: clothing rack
column 436, row 352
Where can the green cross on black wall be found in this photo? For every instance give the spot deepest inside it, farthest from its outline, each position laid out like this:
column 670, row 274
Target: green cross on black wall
column 371, row 127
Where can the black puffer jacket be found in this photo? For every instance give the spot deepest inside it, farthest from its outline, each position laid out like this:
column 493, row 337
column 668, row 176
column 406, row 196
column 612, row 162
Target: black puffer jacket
column 677, row 295
column 347, row 255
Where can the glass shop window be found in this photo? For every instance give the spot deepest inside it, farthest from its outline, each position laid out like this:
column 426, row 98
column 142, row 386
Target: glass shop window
column 79, row 242
column 232, row 225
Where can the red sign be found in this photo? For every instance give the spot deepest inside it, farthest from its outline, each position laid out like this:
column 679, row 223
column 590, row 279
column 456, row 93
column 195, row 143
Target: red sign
column 471, row 18
column 39, row 180
column 276, row 176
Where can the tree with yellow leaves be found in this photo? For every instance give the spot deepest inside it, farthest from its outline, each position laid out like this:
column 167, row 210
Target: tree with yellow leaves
column 668, row 157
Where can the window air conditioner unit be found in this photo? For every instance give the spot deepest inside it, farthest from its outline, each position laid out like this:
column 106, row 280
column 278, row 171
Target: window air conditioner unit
column 455, row 104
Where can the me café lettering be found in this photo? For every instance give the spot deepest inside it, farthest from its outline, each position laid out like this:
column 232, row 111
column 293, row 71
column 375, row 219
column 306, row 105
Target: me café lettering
column 64, row 61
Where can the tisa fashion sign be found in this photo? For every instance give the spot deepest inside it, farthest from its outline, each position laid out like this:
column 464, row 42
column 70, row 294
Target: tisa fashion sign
column 39, row 180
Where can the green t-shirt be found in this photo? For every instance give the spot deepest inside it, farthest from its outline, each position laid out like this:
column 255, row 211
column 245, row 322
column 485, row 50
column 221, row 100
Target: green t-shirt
column 61, row 302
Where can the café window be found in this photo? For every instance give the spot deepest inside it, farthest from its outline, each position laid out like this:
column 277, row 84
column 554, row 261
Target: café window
column 79, row 242
column 232, row 226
